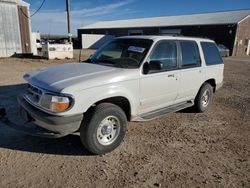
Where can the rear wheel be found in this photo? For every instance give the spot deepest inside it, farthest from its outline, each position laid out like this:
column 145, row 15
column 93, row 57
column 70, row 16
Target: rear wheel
column 104, row 129
column 204, row 98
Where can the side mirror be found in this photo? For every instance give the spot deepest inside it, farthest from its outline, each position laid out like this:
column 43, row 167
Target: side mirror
column 145, row 68
column 152, row 66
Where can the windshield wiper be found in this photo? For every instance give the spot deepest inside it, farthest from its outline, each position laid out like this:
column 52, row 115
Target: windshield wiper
column 89, row 61
column 110, row 62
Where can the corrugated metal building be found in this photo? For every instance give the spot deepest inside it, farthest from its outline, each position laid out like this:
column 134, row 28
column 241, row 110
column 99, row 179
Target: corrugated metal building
column 231, row 28
column 14, row 27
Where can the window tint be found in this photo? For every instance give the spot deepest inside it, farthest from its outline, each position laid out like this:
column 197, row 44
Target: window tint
column 190, row 54
column 211, row 53
column 166, row 53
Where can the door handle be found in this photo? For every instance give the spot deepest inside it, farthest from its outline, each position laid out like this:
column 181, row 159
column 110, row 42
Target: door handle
column 171, row 75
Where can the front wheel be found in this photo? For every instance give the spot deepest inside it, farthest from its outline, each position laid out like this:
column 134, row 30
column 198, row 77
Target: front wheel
column 204, row 98
column 104, row 129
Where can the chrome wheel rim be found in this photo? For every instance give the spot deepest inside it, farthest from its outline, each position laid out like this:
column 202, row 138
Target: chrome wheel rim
column 205, row 98
column 108, row 130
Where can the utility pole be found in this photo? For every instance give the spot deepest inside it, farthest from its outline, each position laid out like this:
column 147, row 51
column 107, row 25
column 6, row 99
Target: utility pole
column 68, row 19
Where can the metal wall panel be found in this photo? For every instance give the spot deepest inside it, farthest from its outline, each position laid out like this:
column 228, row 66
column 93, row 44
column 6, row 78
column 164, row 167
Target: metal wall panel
column 10, row 42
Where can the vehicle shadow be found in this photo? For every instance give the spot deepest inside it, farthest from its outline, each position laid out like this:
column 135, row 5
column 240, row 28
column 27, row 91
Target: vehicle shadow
column 190, row 110
column 14, row 140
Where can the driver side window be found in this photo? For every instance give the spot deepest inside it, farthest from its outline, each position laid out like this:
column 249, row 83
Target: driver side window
column 165, row 52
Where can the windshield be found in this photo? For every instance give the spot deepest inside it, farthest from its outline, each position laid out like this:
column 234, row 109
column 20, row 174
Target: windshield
column 124, row 53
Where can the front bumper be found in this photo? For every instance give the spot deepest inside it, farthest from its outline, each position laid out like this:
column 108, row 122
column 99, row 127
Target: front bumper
column 42, row 124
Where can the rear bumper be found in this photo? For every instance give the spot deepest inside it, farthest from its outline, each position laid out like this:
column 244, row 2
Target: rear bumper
column 39, row 123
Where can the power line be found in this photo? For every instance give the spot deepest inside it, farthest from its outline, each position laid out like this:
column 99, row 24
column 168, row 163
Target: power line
column 38, row 8
column 34, row 12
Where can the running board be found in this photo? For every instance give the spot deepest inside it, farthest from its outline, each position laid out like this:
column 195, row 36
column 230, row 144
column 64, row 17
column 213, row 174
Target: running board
column 161, row 112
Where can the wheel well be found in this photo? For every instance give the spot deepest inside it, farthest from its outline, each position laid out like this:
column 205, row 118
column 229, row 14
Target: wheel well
column 122, row 102
column 212, row 83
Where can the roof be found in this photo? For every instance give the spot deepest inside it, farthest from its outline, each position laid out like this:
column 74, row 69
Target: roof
column 159, row 37
column 19, row 2
column 23, row 3
column 216, row 18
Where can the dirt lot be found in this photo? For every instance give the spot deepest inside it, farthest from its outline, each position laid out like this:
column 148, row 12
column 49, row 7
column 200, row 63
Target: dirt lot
column 182, row 149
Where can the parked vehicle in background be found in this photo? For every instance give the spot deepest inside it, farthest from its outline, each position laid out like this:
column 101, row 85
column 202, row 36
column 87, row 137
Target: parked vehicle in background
column 224, row 51
column 136, row 78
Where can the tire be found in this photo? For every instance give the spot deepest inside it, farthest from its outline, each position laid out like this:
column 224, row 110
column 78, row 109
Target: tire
column 104, row 128
column 204, row 98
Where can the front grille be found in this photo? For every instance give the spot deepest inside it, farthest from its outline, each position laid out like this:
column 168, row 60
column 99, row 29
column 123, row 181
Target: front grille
column 34, row 94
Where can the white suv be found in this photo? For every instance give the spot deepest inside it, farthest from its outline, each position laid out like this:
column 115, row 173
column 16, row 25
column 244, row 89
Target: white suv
column 135, row 78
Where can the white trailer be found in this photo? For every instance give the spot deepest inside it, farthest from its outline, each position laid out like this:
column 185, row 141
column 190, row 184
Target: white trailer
column 58, row 51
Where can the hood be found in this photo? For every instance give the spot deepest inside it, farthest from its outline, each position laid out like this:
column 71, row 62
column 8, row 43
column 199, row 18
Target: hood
column 80, row 75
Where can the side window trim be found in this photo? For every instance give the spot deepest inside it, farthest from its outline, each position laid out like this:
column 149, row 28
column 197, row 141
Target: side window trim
column 177, row 56
column 180, row 55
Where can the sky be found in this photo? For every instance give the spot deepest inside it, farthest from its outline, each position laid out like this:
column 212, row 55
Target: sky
column 51, row 19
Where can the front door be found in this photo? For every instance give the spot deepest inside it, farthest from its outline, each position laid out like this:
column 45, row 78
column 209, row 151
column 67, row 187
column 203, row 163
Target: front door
column 159, row 89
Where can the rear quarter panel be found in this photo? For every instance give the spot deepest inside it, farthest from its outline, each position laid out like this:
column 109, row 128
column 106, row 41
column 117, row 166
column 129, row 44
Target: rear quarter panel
column 215, row 72
column 212, row 71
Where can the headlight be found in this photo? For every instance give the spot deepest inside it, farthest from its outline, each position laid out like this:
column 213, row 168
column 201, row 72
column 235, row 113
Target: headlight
column 55, row 103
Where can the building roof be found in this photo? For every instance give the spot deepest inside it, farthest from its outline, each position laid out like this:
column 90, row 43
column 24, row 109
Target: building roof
column 215, row 18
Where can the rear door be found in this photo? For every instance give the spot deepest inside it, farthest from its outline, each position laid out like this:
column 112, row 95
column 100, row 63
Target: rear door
column 191, row 73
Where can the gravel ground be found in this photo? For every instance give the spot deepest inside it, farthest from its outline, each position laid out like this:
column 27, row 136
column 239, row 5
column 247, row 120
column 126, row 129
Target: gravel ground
column 182, row 149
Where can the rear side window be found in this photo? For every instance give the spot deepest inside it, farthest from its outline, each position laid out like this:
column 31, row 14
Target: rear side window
column 211, row 53
column 190, row 54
